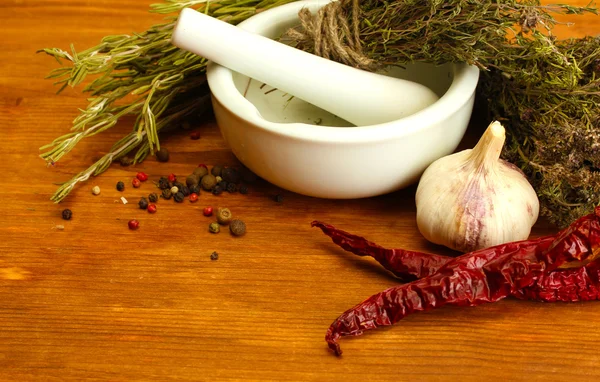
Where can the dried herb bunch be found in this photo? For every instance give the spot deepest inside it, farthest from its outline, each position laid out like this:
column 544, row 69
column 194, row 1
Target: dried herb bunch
column 545, row 90
column 168, row 85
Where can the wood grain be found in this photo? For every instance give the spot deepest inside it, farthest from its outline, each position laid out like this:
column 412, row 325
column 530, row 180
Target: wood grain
column 99, row 302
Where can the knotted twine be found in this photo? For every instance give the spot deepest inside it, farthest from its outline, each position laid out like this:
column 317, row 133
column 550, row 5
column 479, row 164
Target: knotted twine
column 330, row 33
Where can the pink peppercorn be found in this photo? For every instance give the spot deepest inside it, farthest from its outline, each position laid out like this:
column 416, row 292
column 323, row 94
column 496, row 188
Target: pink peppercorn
column 203, row 165
column 195, row 135
column 136, row 183
column 208, row 211
column 152, row 208
column 193, row 197
column 172, row 178
column 142, row 176
column 133, row 224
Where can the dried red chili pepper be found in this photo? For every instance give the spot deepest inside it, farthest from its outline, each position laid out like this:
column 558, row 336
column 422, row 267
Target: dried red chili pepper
column 568, row 285
column 487, row 275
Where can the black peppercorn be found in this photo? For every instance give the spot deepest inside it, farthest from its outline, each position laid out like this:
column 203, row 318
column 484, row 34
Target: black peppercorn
column 67, row 214
column 278, row 198
column 125, row 161
column 195, row 189
column 222, row 184
column 208, row 182
column 178, row 197
column 214, row 256
column 230, row 175
column 143, row 203
column 162, row 155
column 185, row 190
column 216, row 170
column 237, row 227
column 166, row 194
column 120, row 186
column 179, row 185
column 200, row 171
column 232, row 187
column 163, row 183
column 192, row 180
column 243, row 189
column 153, row 198
column 217, row 190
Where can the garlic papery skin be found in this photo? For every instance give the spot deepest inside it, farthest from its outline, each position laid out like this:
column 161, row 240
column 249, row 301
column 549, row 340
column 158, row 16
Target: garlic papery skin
column 473, row 199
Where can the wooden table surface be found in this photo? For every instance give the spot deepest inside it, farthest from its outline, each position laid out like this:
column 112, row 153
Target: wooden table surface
column 98, row 301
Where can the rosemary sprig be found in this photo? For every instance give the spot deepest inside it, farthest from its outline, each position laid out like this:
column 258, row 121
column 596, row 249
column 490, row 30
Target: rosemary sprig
column 162, row 79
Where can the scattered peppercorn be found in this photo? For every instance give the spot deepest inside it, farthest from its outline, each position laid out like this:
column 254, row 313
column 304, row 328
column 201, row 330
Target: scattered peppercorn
column 195, row 189
column 278, row 198
column 195, row 135
column 222, row 184
column 218, row 178
column 163, row 183
column 120, row 186
column 125, row 161
column 172, row 178
column 193, row 197
column 143, row 203
column 174, row 190
column 178, row 185
column 216, row 170
column 230, row 175
column 162, row 155
column 217, row 190
column 136, row 183
column 185, row 190
column 214, row 256
column 231, row 187
column 133, row 224
column 208, row 182
column 167, row 194
column 207, row 211
column 192, row 180
column 67, row 214
column 96, row 190
column 200, row 172
column 152, row 208
column 214, row 227
column 223, row 216
column 153, row 198
column 243, row 189
column 142, row 176
column 178, row 197
column 237, row 227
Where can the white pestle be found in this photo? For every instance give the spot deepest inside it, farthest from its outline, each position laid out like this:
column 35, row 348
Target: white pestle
column 360, row 97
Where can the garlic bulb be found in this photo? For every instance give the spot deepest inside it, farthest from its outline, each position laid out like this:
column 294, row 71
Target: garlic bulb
column 473, row 199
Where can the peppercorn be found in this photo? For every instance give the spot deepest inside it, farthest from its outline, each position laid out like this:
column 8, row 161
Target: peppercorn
column 162, row 155
column 142, row 176
column 195, row 189
column 174, row 190
column 231, row 187
column 96, row 190
column 247, row 175
column 152, row 208
column 214, row 227
column 217, row 190
column 193, row 198
column 67, row 214
column 179, row 185
column 195, row 135
column 216, row 170
column 207, row 211
column 243, row 189
column 237, row 227
column 203, row 165
column 222, row 184
column 278, row 198
column 153, row 198
column 178, row 197
column 167, row 194
column 133, row 224
column 219, row 179
column 135, row 182
column 125, row 161
column 214, row 256
column 200, row 172
column 143, row 203
column 192, row 180
column 120, row 186
column 223, row 216
column 185, row 190
column 230, row 175
column 172, row 178
column 163, row 183
column 208, row 182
